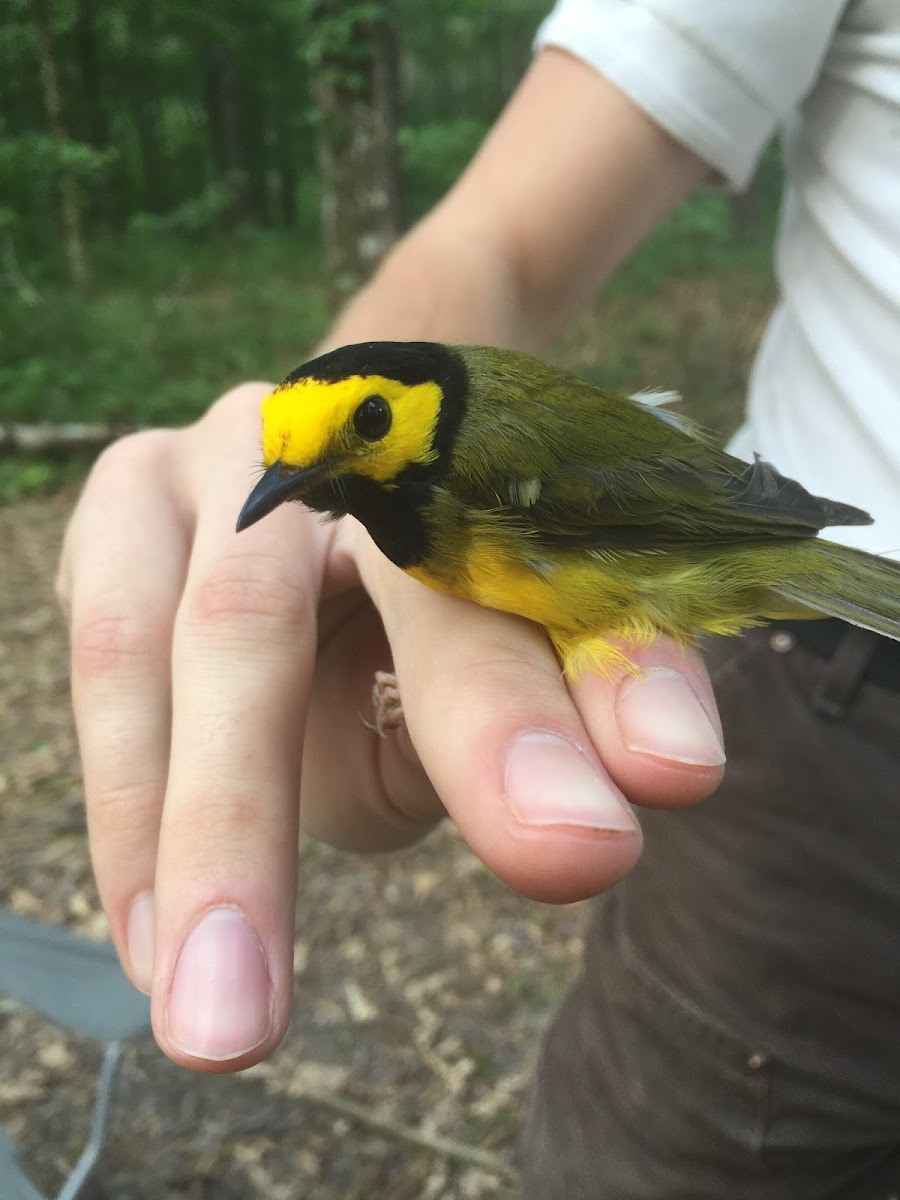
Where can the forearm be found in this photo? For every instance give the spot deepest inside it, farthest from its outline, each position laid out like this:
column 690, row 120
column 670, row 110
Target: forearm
column 571, row 179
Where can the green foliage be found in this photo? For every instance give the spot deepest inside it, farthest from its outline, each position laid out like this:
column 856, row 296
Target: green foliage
column 201, row 115
column 172, row 323
column 464, row 57
column 197, row 214
column 37, row 157
column 164, row 332
column 701, row 235
column 332, row 32
column 23, row 477
column 162, row 107
column 190, row 131
column 434, row 155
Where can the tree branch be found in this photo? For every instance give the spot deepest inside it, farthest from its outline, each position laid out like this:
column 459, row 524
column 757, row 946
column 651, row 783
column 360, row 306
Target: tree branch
column 446, row 1147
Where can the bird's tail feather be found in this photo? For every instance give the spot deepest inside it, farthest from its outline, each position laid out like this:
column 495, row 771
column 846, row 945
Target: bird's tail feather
column 840, row 581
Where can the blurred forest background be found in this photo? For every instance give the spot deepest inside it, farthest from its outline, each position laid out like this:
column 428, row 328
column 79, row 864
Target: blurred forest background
column 188, row 189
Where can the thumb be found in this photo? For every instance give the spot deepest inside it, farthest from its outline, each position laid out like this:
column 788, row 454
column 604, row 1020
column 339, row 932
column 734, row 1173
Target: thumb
column 659, row 731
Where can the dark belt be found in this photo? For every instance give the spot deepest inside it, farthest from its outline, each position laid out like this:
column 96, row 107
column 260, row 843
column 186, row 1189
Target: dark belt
column 857, row 656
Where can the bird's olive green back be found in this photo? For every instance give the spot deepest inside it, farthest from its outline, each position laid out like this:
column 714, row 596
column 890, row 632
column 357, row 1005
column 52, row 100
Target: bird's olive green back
column 587, row 467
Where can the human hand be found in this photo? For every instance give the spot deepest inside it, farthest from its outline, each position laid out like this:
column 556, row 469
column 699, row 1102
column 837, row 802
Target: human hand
column 211, row 670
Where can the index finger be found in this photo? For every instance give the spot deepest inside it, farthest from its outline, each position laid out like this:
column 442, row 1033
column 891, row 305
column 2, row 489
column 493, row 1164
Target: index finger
column 122, row 570
column 243, row 651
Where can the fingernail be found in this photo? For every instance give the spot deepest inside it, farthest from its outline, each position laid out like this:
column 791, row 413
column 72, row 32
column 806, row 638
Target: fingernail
column 550, row 782
column 139, row 937
column 660, row 714
column 220, row 1005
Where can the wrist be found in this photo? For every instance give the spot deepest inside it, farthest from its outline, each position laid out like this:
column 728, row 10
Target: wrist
column 440, row 283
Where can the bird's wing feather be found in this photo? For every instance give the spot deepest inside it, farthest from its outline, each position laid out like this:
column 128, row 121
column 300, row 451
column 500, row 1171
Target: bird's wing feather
column 580, row 467
column 665, row 501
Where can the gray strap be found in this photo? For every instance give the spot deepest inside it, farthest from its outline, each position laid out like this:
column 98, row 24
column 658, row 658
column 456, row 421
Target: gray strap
column 14, row 1185
column 79, row 984
column 71, row 980
column 99, row 1122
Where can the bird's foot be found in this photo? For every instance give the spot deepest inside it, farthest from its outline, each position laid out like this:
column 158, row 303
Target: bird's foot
column 387, row 705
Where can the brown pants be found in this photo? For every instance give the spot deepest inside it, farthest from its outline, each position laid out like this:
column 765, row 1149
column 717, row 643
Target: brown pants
column 735, row 1034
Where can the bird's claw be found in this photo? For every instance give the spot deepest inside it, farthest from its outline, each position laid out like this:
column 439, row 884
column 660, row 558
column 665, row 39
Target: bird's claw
column 387, row 705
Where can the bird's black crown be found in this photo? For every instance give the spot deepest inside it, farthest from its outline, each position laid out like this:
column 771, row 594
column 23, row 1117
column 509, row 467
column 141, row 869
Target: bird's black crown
column 409, row 363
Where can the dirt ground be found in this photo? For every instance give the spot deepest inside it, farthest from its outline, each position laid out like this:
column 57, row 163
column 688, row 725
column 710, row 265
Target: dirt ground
column 423, row 986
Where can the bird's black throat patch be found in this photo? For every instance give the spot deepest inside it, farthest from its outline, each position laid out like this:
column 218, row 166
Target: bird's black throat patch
column 394, row 517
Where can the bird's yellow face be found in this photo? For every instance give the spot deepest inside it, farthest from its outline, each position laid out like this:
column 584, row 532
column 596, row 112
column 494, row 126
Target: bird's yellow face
column 362, row 429
column 367, row 425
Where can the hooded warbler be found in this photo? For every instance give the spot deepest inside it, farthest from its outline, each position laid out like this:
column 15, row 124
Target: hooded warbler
column 491, row 475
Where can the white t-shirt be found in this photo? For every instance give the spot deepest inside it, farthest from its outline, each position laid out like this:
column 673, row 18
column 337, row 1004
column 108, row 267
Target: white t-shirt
column 721, row 76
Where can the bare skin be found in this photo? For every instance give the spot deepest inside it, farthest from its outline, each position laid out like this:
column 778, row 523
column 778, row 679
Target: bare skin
column 218, row 679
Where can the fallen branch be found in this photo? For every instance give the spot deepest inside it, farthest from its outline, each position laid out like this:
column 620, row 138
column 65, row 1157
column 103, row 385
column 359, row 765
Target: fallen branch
column 57, row 441
column 447, row 1147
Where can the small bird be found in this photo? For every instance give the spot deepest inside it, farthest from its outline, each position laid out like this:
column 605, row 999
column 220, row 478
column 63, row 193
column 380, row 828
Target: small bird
column 607, row 519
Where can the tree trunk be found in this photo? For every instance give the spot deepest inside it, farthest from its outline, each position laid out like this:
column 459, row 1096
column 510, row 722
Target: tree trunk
column 70, row 201
column 91, row 80
column 355, row 84
column 285, row 163
column 142, row 90
column 287, row 181
column 106, row 200
column 143, row 111
column 255, row 150
column 222, row 117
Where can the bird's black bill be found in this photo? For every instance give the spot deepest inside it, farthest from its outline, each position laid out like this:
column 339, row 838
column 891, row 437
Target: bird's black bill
column 280, row 483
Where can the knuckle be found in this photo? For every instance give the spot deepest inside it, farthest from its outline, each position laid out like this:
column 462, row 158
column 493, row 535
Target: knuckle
column 103, row 641
column 253, row 586
column 119, row 810
column 235, row 812
column 114, row 472
column 216, row 827
column 134, row 454
column 502, row 670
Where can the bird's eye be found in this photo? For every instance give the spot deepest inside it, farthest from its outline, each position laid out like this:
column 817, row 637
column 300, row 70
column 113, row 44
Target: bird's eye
column 372, row 419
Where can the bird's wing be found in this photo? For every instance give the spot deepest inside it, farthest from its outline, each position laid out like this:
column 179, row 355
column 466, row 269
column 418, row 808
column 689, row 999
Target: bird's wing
column 710, row 498
column 576, row 466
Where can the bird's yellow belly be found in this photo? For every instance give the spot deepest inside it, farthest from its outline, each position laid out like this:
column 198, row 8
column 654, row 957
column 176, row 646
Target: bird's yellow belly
column 581, row 605
column 592, row 605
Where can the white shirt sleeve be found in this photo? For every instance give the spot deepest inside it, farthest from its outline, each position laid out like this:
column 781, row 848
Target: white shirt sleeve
column 719, row 75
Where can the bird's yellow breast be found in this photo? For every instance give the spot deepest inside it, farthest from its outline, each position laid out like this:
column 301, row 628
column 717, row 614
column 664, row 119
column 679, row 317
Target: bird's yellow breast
column 581, row 605
column 497, row 579
column 591, row 603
